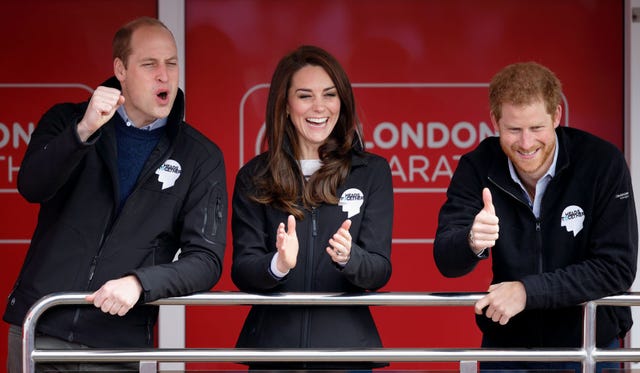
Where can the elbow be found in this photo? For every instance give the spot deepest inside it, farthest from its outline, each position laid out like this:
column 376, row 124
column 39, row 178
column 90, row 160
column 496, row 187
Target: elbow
column 450, row 267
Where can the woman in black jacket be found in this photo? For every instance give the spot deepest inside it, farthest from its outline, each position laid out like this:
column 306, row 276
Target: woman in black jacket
column 313, row 213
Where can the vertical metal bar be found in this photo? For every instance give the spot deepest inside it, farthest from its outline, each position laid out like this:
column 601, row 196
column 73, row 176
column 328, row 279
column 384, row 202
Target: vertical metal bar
column 28, row 344
column 589, row 337
column 148, row 366
column 468, row 366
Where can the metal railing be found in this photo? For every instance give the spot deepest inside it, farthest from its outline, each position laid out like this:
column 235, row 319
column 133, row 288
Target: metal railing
column 588, row 355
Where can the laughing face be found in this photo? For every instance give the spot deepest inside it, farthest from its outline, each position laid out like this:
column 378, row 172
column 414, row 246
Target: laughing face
column 150, row 77
column 314, row 107
column 527, row 137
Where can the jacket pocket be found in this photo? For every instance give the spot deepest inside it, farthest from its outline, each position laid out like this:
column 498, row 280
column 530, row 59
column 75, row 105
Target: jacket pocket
column 213, row 213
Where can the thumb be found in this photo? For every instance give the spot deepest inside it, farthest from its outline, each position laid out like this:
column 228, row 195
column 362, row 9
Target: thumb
column 120, row 101
column 346, row 224
column 90, row 297
column 488, row 201
column 291, row 225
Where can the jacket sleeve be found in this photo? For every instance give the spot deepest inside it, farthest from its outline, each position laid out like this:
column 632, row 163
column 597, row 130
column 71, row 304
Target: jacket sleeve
column 451, row 251
column 202, row 232
column 609, row 265
column 369, row 266
column 251, row 255
column 54, row 152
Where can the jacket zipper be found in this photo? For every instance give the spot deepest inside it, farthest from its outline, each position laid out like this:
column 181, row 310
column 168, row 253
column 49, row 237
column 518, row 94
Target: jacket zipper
column 306, row 324
column 94, row 260
column 218, row 216
column 538, row 234
column 538, row 228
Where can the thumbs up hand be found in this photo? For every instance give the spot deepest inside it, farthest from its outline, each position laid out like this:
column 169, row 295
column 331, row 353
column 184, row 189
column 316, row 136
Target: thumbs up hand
column 484, row 231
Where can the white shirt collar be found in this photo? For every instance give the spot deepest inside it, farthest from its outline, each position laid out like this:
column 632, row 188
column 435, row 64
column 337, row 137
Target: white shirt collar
column 160, row 122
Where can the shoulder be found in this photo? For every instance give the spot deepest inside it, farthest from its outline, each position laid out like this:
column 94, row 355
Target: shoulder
column 66, row 109
column 252, row 167
column 369, row 160
column 259, row 160
column 370, row 168
column 584, row 146
column 488, row 147
column 487, row 153
column 198, row 141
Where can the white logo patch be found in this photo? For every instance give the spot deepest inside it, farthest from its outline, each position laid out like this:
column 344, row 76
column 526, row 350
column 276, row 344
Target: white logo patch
column 572, row 219
column 351, row 200
column 168, row 173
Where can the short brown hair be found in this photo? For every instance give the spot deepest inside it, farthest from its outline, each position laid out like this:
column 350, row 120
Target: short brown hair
column 523, row 83
column 121, row 46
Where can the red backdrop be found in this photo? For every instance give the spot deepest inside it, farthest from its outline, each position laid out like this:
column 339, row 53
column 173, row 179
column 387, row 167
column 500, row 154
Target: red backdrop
column 419, row 69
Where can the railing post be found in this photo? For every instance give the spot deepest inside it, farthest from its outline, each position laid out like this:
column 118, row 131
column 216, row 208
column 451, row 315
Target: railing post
column 148, row 366
column 589, row 336
column 28, row 343
column 468, row 366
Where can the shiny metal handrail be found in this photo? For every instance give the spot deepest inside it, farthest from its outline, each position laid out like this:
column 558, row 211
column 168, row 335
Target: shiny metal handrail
column 588, row 355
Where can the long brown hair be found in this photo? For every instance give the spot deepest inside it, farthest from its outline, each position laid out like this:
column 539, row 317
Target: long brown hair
column 281, row 183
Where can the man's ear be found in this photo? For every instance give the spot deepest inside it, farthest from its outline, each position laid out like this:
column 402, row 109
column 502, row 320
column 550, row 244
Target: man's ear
column 557, row 116
column 119, row 69
column 494, row 121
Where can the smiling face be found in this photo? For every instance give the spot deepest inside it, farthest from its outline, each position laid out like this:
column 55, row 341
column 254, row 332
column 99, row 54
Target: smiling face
column 527, row 137
column 314, row 107
column 149, row 78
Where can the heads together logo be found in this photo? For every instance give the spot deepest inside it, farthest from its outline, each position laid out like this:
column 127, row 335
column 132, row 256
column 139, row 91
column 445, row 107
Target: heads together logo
column 351, row 200
column 168, row 173
column 572, row 219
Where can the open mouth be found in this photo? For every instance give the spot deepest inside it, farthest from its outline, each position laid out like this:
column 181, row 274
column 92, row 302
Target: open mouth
column 163, row 95
column 528, row 154
column 317, row 121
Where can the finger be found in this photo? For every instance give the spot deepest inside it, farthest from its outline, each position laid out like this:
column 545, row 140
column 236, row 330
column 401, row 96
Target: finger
column 504, row 320
column 488, row 201
column 123, row 310
column 496, row 317
column 333, row 253
column 115, row 309
column 339, row 241
column 106, row 306
column 98, row 299
column 291, row 225
column 480, row 305
column 339, row 250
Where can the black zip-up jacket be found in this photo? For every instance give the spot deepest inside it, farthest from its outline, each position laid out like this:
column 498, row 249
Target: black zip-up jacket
column 583, row 246
column 254, row 228
column 79, row 242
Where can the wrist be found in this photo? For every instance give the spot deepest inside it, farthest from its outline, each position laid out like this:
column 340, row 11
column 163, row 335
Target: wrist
column 480, row 252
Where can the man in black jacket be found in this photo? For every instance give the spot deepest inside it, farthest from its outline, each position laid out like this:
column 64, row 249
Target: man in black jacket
column 123, row 183
column 555, row 207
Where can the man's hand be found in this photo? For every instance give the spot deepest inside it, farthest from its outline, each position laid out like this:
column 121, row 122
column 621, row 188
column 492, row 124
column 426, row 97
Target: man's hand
column 103, row 104
column 484, row 231
column 287, row 245
column 504, row 301
column 118, row 296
